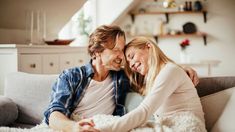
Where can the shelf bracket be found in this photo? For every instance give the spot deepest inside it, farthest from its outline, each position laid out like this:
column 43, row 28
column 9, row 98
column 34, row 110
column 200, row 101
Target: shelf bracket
column 132, row 17
column 156, row 38
column 205, row 16
column 167, row 17
column 205, row 39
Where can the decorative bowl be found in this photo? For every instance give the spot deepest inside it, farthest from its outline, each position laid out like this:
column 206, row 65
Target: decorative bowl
column 59, row 41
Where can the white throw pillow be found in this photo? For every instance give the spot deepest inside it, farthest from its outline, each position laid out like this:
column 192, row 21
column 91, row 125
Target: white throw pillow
column 213, row 105
column 226, row 121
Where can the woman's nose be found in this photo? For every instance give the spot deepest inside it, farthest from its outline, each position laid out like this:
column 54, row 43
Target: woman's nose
column 131, row 64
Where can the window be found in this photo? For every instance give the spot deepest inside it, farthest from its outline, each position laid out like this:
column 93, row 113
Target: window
column 81, row 23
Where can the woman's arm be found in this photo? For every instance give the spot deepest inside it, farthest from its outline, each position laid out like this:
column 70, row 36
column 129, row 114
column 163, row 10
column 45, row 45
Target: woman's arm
column 165, row 84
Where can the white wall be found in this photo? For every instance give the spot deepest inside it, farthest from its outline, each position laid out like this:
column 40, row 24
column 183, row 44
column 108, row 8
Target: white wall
column 109, row 10
column 220, row 27
column 13, row 16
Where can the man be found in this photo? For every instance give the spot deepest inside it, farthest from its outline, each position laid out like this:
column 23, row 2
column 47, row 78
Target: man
column 100, row 87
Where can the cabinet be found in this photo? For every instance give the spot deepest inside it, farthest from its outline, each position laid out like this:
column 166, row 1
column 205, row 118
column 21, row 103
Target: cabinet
column 39, row 59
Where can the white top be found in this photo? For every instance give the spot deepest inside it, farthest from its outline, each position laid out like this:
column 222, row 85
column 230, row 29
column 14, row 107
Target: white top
column 98, row 99
column 173, row 91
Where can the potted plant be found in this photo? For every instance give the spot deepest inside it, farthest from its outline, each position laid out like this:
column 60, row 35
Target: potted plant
column 184, row 57
column 84, row 29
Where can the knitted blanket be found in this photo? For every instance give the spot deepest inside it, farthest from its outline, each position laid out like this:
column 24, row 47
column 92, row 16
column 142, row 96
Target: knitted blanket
column 182, row 122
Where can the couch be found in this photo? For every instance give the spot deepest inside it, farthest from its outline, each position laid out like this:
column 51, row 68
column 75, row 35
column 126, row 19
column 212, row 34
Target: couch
column 26, row 97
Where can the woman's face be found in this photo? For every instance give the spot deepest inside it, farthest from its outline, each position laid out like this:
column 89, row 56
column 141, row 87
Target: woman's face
column 137, row 59
column 113, row 59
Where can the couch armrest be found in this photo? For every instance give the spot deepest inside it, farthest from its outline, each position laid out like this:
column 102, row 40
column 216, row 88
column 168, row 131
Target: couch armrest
column 210, row 85
column 8, row 111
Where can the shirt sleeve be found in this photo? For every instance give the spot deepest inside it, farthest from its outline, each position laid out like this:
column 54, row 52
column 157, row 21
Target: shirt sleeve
column 165, row 84
column 61, row 96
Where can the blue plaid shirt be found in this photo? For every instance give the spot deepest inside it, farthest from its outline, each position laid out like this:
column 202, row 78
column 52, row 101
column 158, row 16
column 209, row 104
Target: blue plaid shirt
column 70, row 87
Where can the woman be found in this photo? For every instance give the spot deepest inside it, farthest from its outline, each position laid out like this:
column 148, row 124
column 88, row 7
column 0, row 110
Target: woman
column 169, row 91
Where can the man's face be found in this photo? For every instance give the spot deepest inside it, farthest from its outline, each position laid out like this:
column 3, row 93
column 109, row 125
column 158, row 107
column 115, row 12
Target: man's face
column 113, row 59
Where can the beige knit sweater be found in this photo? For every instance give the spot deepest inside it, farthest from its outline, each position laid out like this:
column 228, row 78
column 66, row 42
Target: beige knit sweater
column 173, row 91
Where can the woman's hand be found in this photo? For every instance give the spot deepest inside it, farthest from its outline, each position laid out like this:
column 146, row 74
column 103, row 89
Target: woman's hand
column 88, row 128
column 192, row 74
column 84, row 125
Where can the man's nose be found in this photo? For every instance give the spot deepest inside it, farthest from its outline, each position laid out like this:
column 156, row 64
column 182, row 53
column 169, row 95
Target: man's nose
column 121, row 55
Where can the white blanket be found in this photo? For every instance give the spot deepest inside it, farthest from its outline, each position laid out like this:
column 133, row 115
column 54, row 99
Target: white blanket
column 182, row 122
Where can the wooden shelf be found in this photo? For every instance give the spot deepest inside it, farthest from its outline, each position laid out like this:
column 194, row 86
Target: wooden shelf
column 170, row 12
column 198, row 34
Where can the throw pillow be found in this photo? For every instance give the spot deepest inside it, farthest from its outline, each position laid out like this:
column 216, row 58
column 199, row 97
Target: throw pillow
column 214, row 104
column 8, row 111
column 225, row 123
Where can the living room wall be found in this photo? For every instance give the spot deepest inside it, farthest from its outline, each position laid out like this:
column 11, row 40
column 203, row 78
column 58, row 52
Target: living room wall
column 220, row 28
column 13, row 17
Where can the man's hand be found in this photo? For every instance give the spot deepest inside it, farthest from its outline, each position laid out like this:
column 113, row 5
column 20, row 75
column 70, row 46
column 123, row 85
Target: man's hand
column 192, row 74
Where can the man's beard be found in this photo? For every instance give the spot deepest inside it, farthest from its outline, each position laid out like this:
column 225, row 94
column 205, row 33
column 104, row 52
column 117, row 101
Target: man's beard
column 113, row 66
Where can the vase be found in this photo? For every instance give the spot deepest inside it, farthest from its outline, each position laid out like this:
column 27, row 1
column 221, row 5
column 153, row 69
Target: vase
column 184, row 57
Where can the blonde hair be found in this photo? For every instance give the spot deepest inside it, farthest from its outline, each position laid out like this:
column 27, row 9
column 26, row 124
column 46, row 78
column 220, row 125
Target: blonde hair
column 143, row 84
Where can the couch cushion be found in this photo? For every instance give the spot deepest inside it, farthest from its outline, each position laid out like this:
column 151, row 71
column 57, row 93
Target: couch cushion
column 225, row 123
column 132, row 101
column 214, row 104
column 8, row 111
column 31, row 93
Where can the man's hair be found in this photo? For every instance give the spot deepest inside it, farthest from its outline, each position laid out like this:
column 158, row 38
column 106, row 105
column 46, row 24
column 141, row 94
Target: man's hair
column 104, row 37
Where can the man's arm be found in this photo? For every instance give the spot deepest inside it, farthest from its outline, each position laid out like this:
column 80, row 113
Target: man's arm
column 192, row 74
column 58, row 121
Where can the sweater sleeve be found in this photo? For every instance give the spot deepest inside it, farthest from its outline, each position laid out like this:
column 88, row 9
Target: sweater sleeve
column 165, row 84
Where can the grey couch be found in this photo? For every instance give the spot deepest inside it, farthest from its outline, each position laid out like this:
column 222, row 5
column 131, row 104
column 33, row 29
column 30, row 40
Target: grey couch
column 26, row 96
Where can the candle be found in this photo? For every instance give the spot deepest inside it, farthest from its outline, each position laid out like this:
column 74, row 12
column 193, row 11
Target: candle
column 44, row 25
column 31, row 28
column 38, row 27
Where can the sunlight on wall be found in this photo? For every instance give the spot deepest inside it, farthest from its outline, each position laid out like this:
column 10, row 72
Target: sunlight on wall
column 83, row 22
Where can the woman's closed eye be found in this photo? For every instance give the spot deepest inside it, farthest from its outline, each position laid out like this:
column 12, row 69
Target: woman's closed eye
column 130, row 56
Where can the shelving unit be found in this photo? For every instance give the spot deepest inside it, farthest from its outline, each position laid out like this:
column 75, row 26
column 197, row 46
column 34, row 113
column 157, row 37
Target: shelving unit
column 198, row 34
column 170, row 12
column 156, row 37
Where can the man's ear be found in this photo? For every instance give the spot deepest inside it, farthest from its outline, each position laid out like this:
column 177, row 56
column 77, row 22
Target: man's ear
column 95, row 55
column 148, row 45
